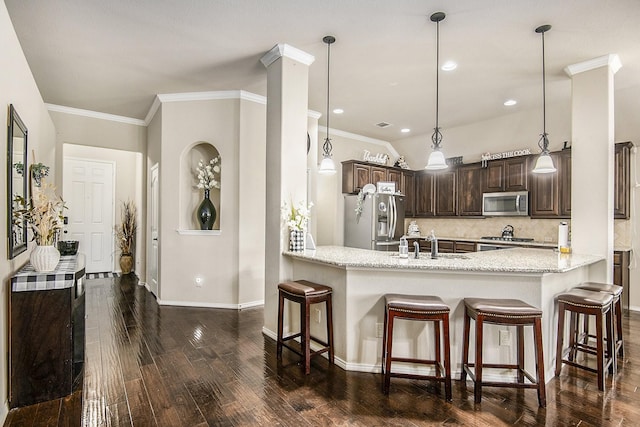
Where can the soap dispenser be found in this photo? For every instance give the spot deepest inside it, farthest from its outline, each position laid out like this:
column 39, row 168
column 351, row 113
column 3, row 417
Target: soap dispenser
column 404, row 247
column 434, row 245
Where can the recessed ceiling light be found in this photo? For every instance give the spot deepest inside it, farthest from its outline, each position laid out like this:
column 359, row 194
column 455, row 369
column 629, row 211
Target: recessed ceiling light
column 449, row 66
column 338, row 111
column 405, row 130
column 510, row 102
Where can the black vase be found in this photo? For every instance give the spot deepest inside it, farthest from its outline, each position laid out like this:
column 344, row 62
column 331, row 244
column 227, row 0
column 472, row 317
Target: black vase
column 206, row 213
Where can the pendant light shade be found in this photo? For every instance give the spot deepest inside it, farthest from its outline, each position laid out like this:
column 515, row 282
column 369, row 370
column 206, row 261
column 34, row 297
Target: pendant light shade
column 544, row 164
column 327, row 167
column 436, row 158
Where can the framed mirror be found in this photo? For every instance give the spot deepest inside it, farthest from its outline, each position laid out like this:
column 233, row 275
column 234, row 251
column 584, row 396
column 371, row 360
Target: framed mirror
column 16, row 182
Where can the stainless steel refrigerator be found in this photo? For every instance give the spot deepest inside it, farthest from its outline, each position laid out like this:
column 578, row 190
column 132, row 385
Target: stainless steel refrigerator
column 379, row 226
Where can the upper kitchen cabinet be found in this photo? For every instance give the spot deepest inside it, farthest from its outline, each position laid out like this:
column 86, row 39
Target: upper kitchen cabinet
column 564, row 175
column 621, row 170
column 425, row 194
column 506, row 175
column 446, row 193
column 356, row 175
column 470, row 189
column 545, row 192
column 408, row 188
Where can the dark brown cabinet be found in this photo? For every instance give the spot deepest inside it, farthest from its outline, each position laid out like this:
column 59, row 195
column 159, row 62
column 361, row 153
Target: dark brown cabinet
column 564, row 174
column 46, row 344
column 506, row 175
column 470, row 190
column 355, row 175
column 378, row 173
column 621, row 199
column 446, row 193
column 408, row 188
column 621, row 274
column 425, row 194
column 544, row 197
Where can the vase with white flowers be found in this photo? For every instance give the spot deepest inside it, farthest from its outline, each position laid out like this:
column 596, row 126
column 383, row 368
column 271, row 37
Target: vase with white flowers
column 43, row 213
column 208, row 176
column 296, row 218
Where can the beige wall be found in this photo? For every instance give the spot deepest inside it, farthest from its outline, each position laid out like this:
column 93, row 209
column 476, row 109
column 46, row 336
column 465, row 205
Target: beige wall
column 230, row 262
column 18, row 87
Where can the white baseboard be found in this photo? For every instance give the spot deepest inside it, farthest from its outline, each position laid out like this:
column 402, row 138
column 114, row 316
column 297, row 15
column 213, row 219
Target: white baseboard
column 634, row 308
column 4, row 411
column 210, row 305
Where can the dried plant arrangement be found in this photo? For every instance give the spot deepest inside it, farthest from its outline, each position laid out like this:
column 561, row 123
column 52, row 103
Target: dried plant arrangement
column 126, row 231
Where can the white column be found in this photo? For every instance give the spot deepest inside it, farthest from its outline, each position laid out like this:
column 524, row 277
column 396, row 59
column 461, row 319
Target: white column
column 592, row 130
column 286, row 170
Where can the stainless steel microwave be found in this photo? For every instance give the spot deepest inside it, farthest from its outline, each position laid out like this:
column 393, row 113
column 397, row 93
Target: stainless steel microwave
column 515, row 203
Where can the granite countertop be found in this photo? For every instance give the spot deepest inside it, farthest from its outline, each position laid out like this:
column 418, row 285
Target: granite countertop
column 516, row 260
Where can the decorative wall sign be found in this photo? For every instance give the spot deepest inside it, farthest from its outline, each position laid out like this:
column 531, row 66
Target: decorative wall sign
column 452, row 161
column 378, row 158
column 504, row 155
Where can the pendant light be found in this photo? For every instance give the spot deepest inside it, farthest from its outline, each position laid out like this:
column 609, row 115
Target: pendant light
column 436, row 158
column 327, row 167
column 544, row 164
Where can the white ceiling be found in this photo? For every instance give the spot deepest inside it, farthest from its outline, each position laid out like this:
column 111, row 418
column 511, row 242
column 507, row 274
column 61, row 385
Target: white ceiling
column 114, row 56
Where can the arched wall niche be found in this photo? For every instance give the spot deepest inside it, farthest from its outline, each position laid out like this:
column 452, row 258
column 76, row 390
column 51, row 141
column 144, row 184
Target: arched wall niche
column 191, row 196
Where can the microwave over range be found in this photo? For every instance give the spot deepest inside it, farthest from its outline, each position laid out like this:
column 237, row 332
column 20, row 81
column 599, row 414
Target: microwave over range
column 514, row 203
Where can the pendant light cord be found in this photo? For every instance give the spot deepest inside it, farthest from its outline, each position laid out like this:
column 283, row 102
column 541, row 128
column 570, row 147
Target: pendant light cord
column 436, row 138
column 326, row 147
column 543, row 143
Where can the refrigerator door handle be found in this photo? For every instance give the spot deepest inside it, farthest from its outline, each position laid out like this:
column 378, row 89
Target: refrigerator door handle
column 392, row 216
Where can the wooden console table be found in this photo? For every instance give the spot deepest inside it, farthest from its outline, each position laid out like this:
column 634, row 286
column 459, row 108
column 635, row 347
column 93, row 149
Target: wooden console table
column 46, row 332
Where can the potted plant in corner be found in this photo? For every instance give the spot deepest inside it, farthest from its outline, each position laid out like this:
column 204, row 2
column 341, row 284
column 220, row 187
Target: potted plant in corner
column 126, row 235
column 43, row 213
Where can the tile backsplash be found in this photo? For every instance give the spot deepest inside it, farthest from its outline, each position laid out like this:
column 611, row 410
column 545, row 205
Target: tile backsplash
column 542, row 230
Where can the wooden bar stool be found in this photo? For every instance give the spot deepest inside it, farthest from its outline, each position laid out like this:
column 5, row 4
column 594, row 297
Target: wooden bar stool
column 589, row 303
column 423, row 308
column 616, row 292
column 503, row 312
column 305, row 293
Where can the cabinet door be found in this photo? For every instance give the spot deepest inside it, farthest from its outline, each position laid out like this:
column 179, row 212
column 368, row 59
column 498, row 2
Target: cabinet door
column 424, row 200
column 493, row 177
column 378, row 174
column 516, row 174
column 621, row 180
column 465, row 247
column 446, row 246
column 394, row 175
column 408, row 188
column 564, row 173
column 470, row 190
column 361, row 176
column 446, row 200
column 354, row 176
column 544, row 193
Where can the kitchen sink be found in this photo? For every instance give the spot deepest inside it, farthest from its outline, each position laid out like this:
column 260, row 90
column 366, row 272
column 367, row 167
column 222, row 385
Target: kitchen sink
column 427, row 255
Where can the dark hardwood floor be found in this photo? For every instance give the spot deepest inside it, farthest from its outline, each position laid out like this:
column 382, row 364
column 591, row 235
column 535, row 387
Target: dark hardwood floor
column 167, row 366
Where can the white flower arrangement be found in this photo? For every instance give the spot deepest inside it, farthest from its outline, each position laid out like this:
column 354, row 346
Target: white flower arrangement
column 296, row 218
column 208, row 174
column 43, row 214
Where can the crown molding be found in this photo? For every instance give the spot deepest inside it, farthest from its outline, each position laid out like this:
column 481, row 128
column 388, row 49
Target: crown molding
column 361, row 138
column 152, row 110
column 94, row 114
column 612, row 61
column 283, row 49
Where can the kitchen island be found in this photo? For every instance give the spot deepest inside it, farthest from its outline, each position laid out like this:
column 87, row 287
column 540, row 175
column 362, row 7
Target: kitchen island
column 360, row 278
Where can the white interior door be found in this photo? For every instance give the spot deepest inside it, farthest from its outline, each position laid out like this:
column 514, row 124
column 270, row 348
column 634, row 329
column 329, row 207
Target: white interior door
column 88, row 191
column 155, row 193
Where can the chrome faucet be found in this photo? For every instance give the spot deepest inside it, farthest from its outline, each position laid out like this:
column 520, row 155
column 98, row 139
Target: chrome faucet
column 416, row 249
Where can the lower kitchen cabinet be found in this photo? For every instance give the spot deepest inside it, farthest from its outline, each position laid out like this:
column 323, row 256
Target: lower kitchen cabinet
column 621, row 274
